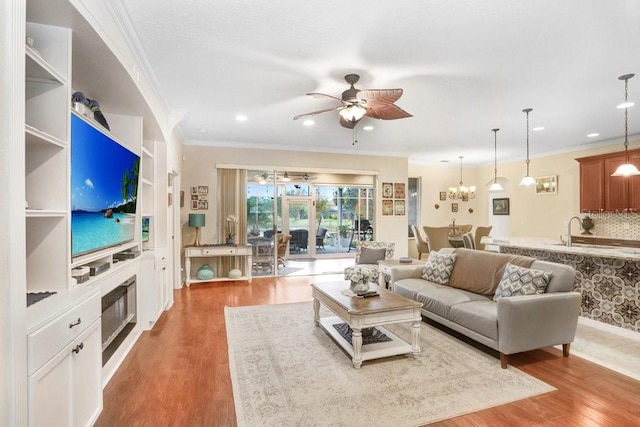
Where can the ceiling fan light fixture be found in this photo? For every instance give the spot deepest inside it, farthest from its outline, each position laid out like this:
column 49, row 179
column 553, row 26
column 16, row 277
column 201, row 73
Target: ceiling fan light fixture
column 353, row 113
column 495, row 186
column 628, row 168
column 285, row 177
column 527, row 180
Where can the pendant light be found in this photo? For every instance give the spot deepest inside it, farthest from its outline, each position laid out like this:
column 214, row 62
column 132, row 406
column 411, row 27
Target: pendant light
column 628, row 168
column 527, row 180
column 496, row 185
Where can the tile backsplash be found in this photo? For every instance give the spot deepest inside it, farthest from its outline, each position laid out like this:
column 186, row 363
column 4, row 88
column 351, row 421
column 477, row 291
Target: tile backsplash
column 615, row 225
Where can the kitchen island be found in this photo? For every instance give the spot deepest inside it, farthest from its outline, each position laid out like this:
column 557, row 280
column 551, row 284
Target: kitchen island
column 607, row 277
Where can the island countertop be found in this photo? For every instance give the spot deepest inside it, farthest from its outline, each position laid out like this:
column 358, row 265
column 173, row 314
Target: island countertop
column 551, row 245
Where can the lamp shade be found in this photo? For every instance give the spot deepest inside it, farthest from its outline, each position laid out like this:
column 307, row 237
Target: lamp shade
column 196, row 220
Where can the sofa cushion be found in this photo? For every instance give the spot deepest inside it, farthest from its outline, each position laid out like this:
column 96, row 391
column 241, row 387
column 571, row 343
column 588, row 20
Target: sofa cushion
column 438, row 267
column 481, row 271
column 521, row 281
column 436, row 298
column 479, row 316
column 371, row 256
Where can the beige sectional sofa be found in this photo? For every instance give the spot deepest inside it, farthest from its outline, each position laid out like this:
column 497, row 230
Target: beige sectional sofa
column 512, row 324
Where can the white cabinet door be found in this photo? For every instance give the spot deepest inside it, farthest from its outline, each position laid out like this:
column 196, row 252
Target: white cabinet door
column 87, row 376
column 50, row 392
column 67, row 390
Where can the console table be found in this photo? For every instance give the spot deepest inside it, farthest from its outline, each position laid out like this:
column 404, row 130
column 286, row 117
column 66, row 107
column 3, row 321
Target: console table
column 217, row 251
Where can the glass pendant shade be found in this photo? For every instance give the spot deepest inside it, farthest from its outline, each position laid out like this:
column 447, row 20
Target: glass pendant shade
column 496, row 187
column 353, row 113
column 527, row 181
column 628, row 168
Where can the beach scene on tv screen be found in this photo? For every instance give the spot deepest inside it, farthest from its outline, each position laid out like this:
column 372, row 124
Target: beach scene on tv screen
column 104, row 187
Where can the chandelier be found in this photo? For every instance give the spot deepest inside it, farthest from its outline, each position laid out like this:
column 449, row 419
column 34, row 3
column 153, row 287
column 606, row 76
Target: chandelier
column 461, row 192
column 628, row 168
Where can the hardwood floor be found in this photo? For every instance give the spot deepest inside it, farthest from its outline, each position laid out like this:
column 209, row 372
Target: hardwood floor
column 177, row 374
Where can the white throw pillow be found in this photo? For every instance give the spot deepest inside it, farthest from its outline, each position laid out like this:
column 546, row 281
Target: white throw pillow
column 439, row 267
column 521, row 281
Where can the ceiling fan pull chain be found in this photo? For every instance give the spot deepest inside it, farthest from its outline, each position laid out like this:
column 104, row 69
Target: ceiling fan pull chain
column 355, row 135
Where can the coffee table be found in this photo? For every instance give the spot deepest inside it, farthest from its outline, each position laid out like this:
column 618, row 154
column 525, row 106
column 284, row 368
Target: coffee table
column 363, row 313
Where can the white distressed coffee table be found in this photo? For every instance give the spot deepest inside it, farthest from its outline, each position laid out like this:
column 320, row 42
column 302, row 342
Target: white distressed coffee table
column 362, row 313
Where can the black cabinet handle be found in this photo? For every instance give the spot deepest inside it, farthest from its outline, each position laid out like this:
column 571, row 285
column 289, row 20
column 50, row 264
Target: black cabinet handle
column 77, row 348
column 71, row 325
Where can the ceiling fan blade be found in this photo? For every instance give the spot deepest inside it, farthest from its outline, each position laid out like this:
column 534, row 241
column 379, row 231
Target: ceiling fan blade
column 387, row 96
column 347, row 124
column 322, row 95
column 385, row 111
column 316, row 112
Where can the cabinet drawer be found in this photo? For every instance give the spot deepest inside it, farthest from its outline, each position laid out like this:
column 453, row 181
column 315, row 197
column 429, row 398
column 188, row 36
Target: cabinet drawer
column 219, row 251
column 44, row 343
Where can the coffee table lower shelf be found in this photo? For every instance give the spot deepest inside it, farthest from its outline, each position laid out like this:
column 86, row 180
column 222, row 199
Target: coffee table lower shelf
column 378, row 350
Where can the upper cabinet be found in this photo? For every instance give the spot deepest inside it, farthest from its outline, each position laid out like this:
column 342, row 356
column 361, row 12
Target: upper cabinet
column 599, row 191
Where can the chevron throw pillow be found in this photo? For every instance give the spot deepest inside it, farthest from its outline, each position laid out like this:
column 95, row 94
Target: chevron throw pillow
column 439, row 267
column 521, row 281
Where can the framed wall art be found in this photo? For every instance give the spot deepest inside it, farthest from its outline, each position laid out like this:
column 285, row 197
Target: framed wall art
column 443, row 195
column 398, row 207
column 454, row 207
column 399, row 190
column 387, row 207
column 547, row 185
column 387, row 190
column 501, row 206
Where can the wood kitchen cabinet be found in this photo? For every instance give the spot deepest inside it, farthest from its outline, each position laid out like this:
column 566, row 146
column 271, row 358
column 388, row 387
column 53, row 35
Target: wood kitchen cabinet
column 599, row 191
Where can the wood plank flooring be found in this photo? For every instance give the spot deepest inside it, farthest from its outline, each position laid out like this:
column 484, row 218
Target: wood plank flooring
column 177, row 374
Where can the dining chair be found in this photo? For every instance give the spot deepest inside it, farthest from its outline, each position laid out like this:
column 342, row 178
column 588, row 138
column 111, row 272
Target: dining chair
column 438, row 237
column 481, row 231
column 421, row 243
column 467, row 240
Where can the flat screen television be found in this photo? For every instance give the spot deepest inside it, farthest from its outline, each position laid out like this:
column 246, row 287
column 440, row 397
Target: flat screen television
column 104, row 189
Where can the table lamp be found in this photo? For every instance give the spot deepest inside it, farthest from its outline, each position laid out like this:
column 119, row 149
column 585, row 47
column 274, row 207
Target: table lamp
column 197, row 221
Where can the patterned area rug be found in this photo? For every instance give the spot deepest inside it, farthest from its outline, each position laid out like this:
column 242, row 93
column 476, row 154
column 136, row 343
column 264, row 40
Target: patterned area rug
column 288, row 372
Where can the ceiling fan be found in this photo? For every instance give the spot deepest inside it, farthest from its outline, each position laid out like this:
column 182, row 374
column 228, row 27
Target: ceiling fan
column 356, row 103
column 265, row 177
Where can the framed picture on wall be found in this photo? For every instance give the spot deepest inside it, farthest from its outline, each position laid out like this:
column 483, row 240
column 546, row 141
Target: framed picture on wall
column 501, row 206
column 547, row 185
column 454, row 207
column 194, row 205
column 398, row 207
column 387, row 207
column 398, row 190
column 387, row 190
column 443, row 195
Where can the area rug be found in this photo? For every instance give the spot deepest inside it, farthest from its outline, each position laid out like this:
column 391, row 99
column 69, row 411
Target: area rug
column 286, row 371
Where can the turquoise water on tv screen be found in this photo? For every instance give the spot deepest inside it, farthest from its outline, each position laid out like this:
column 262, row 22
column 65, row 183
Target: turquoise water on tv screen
column 93, row 230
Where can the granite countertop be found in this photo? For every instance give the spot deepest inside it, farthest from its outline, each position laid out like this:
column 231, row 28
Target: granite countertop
column 555, row 246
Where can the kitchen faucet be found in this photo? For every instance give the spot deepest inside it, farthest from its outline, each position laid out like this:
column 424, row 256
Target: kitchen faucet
column 569, row 229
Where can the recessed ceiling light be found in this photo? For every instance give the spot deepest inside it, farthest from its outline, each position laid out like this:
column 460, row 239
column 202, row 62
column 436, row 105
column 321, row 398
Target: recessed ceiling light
column 308, row 123
column 367, row 128
column 241, row 118
column 593, row 135
column 538, row 128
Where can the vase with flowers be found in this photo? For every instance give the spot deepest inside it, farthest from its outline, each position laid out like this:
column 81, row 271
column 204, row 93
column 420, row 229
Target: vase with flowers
column 231, row 227
column 359, row 278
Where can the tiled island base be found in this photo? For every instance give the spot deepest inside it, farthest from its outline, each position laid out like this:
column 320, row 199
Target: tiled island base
column 610, row 286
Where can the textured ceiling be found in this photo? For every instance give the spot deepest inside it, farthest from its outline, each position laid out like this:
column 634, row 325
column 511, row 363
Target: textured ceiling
column 465, row 66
